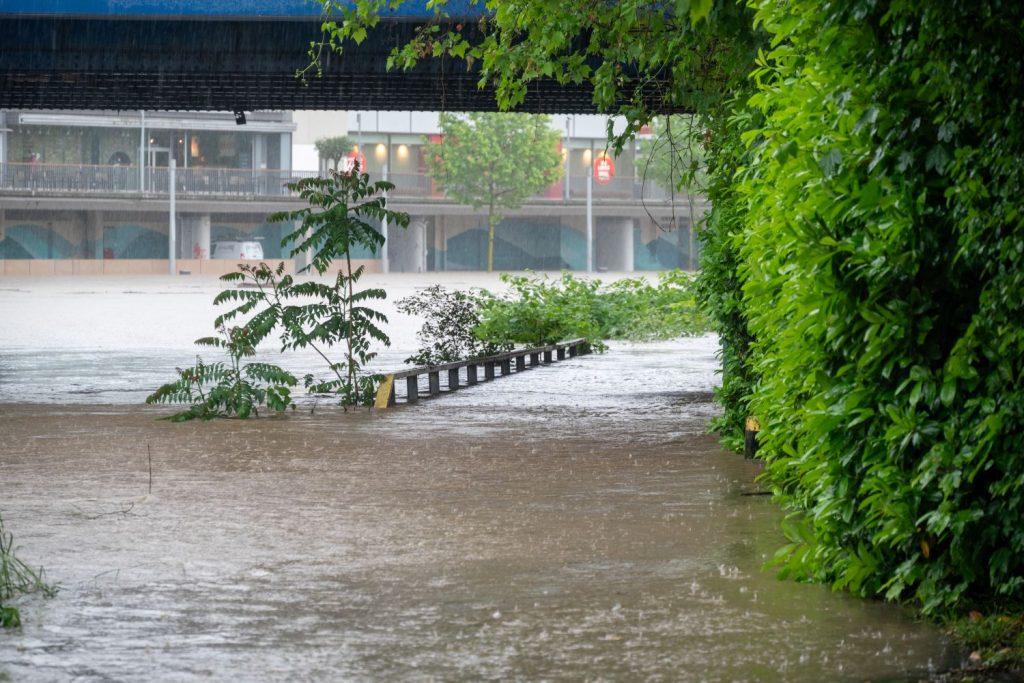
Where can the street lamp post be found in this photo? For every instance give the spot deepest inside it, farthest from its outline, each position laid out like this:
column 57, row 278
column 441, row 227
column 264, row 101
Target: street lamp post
column 142, row 150
column 568, row 164
column 590, row 221
column 172, row 230
column 385, row 266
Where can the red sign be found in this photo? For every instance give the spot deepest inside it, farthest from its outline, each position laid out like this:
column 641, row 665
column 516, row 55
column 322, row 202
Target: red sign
column 604, row 170
column 348, row 164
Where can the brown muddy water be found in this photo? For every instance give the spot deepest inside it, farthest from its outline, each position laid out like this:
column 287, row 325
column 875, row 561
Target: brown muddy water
column 572, row 523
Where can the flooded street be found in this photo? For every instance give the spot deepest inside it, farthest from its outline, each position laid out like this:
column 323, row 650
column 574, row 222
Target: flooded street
column 573, row 522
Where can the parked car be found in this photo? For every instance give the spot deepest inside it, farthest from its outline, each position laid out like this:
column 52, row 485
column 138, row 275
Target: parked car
column 238, row 250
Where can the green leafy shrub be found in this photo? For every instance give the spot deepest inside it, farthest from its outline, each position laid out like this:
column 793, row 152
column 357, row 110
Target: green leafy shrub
column 343, row 208
column 883, row 269
column 995, row 641
column 639, row 311
column 312, row 314
column 227, row 389
column 540, row 311
column 447, row 335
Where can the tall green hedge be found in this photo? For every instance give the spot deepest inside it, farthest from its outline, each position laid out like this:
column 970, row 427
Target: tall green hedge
column 882, row 269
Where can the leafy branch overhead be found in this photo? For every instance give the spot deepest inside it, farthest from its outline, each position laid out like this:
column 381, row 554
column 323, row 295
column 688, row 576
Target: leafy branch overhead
column 633, row 53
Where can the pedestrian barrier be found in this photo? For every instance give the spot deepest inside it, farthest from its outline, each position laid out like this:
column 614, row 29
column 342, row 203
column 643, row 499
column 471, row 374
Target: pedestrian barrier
column 466, row 373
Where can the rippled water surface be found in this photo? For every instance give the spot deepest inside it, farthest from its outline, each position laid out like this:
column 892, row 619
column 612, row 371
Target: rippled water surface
column 571, row 522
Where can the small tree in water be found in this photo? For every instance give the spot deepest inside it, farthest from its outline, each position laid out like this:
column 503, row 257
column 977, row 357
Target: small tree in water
column 337, row 219
column 311, row 314
column 495, row 162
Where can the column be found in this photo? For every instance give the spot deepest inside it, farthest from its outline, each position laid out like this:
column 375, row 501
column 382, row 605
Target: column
column 625, row 248
column 614, row 245
column 407, row 248
column 93, row 242
column 199, row 244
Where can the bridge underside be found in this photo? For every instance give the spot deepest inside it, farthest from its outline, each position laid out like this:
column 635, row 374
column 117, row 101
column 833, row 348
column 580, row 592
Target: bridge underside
column 180, row 64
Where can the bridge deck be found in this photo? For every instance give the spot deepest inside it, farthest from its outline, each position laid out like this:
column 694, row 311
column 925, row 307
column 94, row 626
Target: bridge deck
column 63, row 54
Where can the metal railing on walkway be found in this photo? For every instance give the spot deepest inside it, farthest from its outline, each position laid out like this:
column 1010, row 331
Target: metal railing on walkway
column 244, row 183
column 35, row 178
column 466, row 373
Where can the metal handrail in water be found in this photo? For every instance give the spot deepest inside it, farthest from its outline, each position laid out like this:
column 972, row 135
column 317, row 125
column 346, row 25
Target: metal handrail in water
column 538, row 355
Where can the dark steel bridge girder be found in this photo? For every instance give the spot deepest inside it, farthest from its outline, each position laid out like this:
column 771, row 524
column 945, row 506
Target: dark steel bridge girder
column 181, row 64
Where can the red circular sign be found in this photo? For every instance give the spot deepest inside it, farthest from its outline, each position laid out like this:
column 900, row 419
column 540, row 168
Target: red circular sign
column 604, row 169
column 348, row 164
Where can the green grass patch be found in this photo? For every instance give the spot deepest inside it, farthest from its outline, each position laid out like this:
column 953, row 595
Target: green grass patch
column 995, row 642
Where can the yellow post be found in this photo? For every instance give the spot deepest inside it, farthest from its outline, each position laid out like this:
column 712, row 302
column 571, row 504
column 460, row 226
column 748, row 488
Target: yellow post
column 751, row 428
column 384, row 393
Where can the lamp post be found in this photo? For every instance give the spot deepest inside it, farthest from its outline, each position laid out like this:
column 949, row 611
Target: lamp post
column 590, row 221
column 172, row 228
column 359, row 137
column 385, row 266
column 568, row 164
column 142, row 150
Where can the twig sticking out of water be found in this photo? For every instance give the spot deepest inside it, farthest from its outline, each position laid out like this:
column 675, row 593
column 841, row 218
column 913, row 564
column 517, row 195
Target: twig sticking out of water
column 126, row 509
column 149, row 452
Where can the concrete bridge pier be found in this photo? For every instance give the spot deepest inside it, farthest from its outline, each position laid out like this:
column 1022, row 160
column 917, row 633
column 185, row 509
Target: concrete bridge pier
column 613, row 245
column 195, row 237
column 407, row 249
column 92, row 244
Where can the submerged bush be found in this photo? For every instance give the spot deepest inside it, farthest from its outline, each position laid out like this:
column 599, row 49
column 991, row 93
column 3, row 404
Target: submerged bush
column 227, row 389
column 539, row 310
column 447, row 335
column 883, row 260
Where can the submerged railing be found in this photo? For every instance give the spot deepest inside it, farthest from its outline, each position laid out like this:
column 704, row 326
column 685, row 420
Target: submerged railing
column 511, row 362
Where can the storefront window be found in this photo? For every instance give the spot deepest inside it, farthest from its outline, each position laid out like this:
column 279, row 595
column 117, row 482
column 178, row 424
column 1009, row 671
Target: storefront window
column 219, row 150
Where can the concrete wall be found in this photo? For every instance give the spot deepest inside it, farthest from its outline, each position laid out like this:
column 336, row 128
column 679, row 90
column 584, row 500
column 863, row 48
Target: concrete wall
column 119, row 235
column 55, row 267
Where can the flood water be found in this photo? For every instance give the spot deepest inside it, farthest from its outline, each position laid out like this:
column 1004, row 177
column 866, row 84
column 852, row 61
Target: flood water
column 572, row 522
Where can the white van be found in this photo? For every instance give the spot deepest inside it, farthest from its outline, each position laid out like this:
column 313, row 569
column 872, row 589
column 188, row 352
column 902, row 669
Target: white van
column 251, row 251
